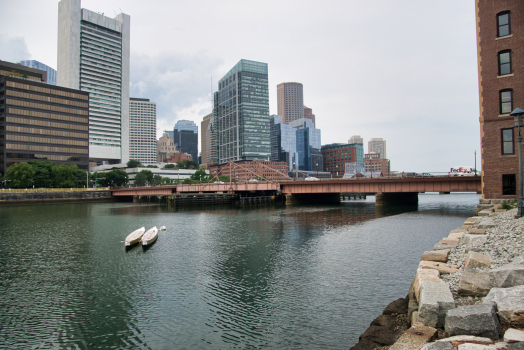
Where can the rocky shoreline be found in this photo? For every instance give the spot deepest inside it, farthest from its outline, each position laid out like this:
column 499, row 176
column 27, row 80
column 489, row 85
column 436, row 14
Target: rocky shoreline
column 468, row 293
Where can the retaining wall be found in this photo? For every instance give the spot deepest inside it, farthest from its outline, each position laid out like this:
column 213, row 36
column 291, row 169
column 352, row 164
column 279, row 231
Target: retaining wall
column 54, row 196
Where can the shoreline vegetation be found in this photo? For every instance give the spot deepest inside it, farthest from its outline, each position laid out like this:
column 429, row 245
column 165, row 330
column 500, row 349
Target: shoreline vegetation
column 467, row 293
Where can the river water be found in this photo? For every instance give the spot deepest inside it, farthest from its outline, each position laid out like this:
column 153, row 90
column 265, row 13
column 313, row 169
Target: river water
column 295, row 277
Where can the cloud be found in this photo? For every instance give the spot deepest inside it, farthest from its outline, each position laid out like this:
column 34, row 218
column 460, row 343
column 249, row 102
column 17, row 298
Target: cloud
column 179, row 83
column 13, row 49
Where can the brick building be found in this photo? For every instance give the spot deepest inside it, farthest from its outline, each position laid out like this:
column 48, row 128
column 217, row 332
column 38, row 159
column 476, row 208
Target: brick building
column 374, row 164
column 500, row 50
column 249, row 169
column 178, row 157
column 336, row 155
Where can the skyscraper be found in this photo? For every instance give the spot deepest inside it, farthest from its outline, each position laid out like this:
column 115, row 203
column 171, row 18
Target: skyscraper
column 241, row 113
column 142, row 130
column 206, row 139
column 290, row 101
column 377, row 145
column 356, row 139
column 93, row 56
column 308, row 113
column 185, row 138
column 51, row 73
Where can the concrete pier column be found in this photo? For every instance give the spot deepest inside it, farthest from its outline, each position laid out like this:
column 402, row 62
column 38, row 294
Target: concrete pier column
column 399, row 198
column 136, row 199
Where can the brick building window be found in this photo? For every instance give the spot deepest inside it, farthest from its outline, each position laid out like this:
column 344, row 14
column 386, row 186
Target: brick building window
column 506, row 101
column 508, row 146
column 503, row 27
column 509, row 185
column 504, row 62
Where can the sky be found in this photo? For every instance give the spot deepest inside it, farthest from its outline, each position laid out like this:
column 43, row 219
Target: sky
column 402, row 70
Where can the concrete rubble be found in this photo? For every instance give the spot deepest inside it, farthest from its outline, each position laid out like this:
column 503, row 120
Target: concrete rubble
column 467, row 294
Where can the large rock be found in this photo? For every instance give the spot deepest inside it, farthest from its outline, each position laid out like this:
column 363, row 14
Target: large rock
column 467, row 338
column 475, row 284
column 469, row 346
column 436, row 255
column 516, row 346
column 428, row 275
column 441, row 345
column 510, row 305
column 485, row 212
column 414, row 338
column 441, row 267
column 399, row 306
column 486, row 223
column 457, row 235
column 513, row 336
column 509, row 275
column 477, row 260
column 446, row 243
column 479, row 320
column 435, row 300
column 474, row 240
column 477, row 231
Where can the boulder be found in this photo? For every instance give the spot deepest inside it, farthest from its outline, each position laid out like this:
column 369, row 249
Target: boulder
column 510, row 305
column 436, row 255
column 474, row 240
column 485, row 212
column 441, row 267
column 469, row 346
column 477, row 231
column 429, row 275
column 414, row 338
column 516, row 346
column 446, row 243
column 509, row 275
column 365, row 344
column 383, row 331
column 478, row 320
column 435, row 300
column 459, row 230
column 486, row 223
column 477, row 260
column 441, row 345
column 399, row 306
column 468, row 338
column 475, row 284
column 456, row 235
column 514, row 336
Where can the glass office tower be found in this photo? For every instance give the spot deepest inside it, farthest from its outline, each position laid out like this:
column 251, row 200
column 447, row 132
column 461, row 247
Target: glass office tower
column 51, row 73
column 241, row 122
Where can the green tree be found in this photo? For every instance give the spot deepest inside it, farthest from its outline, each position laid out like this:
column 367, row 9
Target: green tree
column 156, row 180
column 186, row 164
column 20, row 175
column 81, row 178
column 64, row 175
column 42, row 177
column 151, row 166
column 166, row 180
column 143, row 177
column 169, row 166
column 133, row 163
column 225, row 178
column 199, row 175
column 115, row 177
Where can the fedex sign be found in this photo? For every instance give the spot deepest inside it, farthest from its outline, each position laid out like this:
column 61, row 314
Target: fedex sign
column 462, row 169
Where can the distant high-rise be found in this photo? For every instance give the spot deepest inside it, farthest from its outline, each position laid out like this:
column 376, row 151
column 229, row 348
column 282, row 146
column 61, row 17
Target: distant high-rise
column 142, row 130
column 377, row 145
column 356, row 139
column 185, row 138
column 290, row 101
column 308, row 113
column 51, row 73
column 93, row 56
column 241, row 114
column 206, row 140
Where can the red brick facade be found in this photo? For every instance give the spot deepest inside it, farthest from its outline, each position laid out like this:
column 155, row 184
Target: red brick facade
column 491, row 44
column 373, row 163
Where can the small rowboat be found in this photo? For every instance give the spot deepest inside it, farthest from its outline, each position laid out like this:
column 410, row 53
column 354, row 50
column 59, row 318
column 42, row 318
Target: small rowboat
column 150, row 236
column 134, row 237
column 162, row 228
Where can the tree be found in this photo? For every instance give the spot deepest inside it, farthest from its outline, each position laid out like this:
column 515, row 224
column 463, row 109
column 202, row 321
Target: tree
column 42, row 177
column 151, row 166
column 81, row 177
column 166, row 180
column 143, row 177
column 186, row 164
column 133, row 163
column 157, row 180
column 199, row 175
column 169, row 166
column 64, row 175
column 115, row 177
column 20, row 175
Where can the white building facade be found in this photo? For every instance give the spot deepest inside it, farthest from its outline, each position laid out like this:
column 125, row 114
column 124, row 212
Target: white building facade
column 93, row 55
column 377, row 145
column 142, row 130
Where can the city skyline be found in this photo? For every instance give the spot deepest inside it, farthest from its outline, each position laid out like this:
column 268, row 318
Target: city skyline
column 374, row 80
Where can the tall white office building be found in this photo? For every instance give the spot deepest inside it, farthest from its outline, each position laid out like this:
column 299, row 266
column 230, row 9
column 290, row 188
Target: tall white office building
column 93, row 55
column 377, row 145
column 142, row 130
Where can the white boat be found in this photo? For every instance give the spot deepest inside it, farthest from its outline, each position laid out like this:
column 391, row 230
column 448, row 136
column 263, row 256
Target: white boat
column 162, row 228
column 150, row 236
column 134, row 237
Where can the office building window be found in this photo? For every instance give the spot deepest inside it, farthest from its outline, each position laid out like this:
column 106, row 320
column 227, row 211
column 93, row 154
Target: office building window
column 507, row 142
column 503, row 27
column 506, row 101
column 509, row 185
column 504, row 62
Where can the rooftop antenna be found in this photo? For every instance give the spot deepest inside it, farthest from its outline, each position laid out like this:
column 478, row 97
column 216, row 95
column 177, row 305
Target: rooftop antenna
column 120, row 10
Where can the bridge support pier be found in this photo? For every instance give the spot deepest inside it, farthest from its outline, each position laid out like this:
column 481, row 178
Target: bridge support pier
column 313, row 198
column 136, row 199
column 397, row 198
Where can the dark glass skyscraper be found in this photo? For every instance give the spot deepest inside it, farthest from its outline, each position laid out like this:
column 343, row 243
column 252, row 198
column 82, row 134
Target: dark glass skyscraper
column 241, row 113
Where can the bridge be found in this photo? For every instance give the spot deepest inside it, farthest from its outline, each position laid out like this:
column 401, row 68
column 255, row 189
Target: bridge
column 388, row 190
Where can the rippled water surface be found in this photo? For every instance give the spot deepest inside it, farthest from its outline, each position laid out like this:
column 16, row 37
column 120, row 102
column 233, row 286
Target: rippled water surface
column 309, row 277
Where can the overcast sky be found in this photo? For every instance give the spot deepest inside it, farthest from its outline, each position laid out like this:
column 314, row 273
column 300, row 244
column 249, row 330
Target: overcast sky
column 402, row 70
